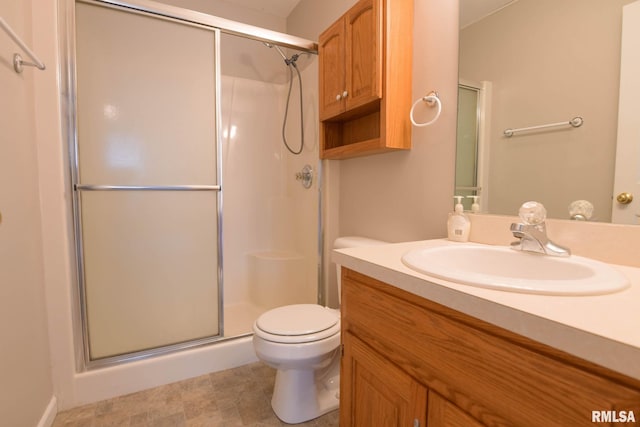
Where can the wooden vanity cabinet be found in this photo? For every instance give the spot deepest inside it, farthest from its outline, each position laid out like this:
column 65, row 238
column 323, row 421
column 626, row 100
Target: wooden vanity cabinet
column 408, row 361
column 383, row 394
column 365, row 80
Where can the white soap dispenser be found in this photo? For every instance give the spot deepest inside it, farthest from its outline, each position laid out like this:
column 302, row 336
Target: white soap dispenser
column 458, row 224
column 475, row 207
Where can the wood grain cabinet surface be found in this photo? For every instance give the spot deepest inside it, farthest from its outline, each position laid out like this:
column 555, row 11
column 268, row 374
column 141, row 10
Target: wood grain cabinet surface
column 408, row 361
column 363, row 99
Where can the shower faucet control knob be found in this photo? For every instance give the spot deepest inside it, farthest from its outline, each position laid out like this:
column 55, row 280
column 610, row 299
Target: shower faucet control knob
column 306, row 176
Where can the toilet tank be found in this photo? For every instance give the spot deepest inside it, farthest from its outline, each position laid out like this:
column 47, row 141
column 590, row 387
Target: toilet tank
column 351, row 242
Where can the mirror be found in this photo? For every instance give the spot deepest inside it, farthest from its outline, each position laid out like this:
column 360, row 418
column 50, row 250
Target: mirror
column 530, row 63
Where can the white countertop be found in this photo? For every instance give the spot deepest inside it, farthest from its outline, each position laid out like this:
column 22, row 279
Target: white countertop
column 604, row 329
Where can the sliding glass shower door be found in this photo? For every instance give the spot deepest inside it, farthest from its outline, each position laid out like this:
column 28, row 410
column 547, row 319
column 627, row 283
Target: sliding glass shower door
column 146, row 181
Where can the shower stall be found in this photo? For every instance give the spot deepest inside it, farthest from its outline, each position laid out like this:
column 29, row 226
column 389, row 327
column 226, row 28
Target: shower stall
column 192, row 217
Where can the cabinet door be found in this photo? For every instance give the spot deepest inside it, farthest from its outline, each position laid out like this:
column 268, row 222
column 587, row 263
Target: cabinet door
column 375, row 392
column 331, row 70
column 363, row 54
column 443, row 413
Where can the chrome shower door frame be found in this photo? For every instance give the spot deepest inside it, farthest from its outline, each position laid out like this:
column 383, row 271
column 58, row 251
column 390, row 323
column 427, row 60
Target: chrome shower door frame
column 82, row 334
column 68, row 83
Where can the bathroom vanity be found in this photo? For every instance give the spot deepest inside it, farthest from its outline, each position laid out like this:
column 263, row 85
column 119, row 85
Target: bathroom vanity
column 419, row 351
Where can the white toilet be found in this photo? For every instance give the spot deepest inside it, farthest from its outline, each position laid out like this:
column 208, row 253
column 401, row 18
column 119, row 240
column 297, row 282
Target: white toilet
column 302, row 342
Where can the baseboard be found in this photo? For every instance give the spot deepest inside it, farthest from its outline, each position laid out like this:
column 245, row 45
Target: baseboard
column 49, row 414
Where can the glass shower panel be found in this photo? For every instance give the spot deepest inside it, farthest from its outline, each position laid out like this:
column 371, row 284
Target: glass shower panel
column 146, row 99
column 150, row 269
column 147, row 180
column 467, row 144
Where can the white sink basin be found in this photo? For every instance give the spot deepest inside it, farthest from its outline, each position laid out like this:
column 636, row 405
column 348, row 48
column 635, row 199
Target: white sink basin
column 502, row 268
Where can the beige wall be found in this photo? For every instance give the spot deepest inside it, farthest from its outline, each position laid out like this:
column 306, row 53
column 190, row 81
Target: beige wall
column 25, row 373
column 406, row 195
column 549, row 61
column 311, row 17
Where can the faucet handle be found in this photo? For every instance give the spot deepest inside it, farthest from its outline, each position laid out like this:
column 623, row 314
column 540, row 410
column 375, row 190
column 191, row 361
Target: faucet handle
column 532, row 213
column 581, row 210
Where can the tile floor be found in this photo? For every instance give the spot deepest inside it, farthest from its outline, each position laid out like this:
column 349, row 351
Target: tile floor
column 235, row 397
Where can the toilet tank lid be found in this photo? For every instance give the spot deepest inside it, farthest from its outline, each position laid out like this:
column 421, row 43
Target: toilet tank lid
column 355, row 242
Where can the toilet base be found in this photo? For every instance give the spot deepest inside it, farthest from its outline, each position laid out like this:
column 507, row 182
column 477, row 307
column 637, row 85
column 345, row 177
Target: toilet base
column 301, row 395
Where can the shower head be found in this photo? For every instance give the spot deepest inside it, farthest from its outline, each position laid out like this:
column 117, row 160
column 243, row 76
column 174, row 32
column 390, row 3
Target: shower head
column 284, row 57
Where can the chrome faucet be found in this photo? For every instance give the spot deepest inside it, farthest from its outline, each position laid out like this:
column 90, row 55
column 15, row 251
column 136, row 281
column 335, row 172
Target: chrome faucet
column 532, row 232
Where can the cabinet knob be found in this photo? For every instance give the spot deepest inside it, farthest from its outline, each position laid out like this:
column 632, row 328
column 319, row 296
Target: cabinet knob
column 345, row 94
column 416, row 422
column 338, row 97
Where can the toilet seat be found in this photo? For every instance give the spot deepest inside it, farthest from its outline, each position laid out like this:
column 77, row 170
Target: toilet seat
column 298, row 323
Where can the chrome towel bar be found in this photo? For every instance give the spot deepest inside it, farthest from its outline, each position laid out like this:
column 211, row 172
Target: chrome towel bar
column 576, row 122
column 18, row 62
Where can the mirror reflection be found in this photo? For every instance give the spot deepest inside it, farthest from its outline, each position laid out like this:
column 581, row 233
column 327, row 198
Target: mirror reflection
column 553, row 69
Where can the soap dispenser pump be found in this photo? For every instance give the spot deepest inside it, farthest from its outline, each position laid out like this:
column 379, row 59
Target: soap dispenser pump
column 458, row 224
column 475, row 206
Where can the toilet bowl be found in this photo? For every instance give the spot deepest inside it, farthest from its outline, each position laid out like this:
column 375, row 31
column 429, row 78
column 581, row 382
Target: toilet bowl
column 302, row 341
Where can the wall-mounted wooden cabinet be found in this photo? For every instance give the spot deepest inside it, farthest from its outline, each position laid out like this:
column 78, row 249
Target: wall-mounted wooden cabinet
column 365, row 80
column 351, row 61
column 412, row 362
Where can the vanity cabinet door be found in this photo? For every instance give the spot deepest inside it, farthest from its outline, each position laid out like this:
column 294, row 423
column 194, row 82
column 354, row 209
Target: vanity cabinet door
column 377, row 392
column 443, row 413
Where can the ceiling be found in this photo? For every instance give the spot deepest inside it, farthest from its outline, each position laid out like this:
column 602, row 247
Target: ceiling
column 281, row 8
column 472, row 11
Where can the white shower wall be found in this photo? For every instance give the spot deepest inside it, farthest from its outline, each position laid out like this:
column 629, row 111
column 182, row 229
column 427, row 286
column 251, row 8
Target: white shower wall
column 306, row 206
column 270, row 221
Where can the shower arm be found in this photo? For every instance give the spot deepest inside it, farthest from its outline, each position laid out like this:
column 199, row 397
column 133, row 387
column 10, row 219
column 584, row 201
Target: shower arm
column 288, row 61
